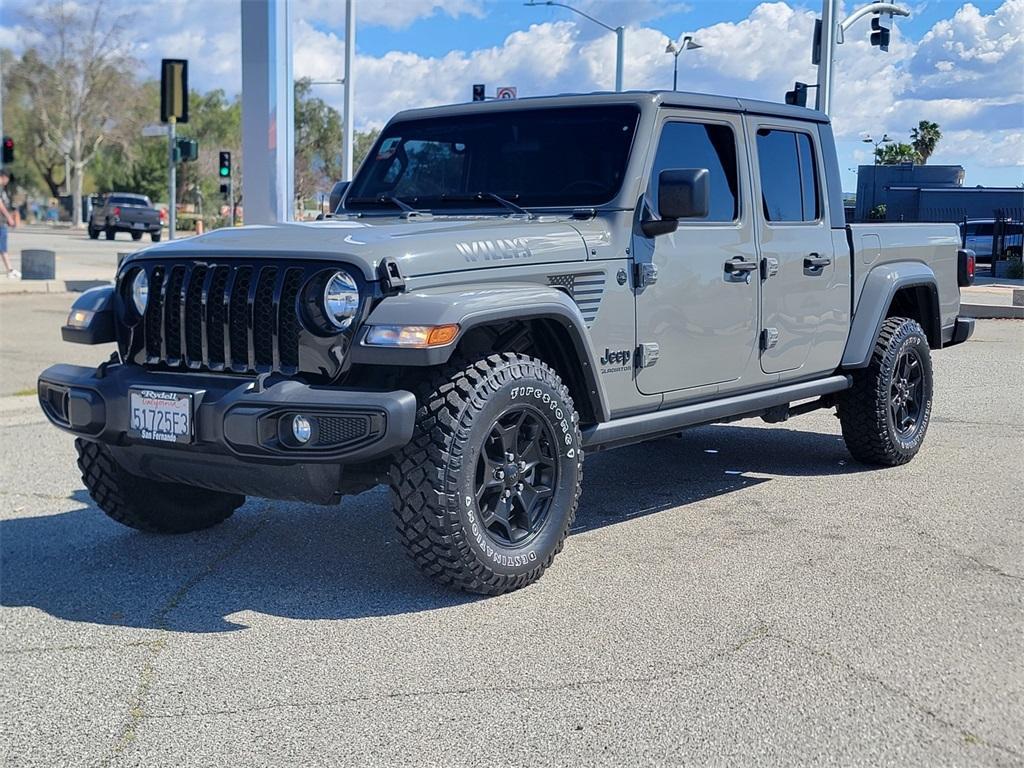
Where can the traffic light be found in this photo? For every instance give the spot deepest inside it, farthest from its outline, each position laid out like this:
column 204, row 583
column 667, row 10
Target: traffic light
column 188, row 150
column 225, row 165
column 8, row 150
column 881, row 30
column 798, row 96
column 479, row 92
column 224, row 191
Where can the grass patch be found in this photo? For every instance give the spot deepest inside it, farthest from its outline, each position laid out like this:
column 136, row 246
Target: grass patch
column 25, row 392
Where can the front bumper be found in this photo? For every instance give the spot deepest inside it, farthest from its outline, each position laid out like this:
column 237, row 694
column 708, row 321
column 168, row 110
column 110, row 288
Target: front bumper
column 236, row 445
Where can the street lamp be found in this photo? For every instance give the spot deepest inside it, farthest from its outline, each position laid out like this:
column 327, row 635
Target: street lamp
column 869, row 139
column 620, row 36
column 687, row 45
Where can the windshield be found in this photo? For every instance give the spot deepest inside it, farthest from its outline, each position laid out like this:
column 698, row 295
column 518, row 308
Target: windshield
column 569, row 157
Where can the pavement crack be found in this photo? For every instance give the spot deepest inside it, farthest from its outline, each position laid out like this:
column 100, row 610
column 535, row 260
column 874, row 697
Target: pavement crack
column 968, row 736
column 147, row 675
column 760, row 632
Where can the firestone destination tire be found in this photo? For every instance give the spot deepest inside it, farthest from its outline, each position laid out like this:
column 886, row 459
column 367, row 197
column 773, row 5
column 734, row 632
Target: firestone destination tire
column 485, row 492
column 149, row 505
column 885, row 415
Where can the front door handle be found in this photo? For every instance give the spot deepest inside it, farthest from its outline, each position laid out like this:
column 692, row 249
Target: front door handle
column 739, row 270
column 814, row 264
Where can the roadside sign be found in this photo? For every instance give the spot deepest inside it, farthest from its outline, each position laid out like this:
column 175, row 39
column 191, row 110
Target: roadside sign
column 505, row 92
column 154, row 130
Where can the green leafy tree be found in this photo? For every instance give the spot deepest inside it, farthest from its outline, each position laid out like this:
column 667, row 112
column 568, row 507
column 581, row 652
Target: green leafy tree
column 924, row 138
column 896, row 153
column 318, row 139
column 362, row 145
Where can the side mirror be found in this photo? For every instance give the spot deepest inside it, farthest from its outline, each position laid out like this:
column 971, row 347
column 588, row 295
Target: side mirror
column 337, row 192
column 683, row 193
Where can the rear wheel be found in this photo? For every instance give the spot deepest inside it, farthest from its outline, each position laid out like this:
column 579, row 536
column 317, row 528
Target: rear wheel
column 149, row 505
column 486, row 490
column 93, row 232
column 155, row 237
column 136, row 235
column 885, row 415
column 109, row 233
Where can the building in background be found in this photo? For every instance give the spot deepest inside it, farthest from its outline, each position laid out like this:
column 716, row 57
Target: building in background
column 930, row 193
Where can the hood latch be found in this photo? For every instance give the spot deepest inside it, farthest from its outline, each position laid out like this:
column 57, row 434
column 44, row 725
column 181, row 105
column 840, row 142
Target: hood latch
column 391, row 280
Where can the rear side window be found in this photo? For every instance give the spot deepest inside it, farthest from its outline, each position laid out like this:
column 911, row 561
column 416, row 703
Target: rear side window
column 789, row 176
column 699, row 145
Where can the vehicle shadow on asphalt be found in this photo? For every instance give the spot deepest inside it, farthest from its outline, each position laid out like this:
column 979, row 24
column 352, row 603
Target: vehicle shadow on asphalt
column 306, row 562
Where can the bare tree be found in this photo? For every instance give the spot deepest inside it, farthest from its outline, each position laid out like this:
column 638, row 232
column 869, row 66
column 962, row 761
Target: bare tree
column 77, row 78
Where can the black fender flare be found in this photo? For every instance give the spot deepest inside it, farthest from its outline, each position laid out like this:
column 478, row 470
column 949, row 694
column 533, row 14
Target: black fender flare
column 472, row 307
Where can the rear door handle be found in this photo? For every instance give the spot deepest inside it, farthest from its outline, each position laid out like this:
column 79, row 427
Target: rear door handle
column 814, row 264
column 739, row 270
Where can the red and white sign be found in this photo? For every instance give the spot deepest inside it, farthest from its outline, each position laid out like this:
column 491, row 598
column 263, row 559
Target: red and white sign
column 505, row 92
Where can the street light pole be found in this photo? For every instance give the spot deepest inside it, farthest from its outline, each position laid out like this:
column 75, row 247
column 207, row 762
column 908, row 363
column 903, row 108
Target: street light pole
column 869, row 139
column 620, row 36
column 350, row 55
column 687, row 45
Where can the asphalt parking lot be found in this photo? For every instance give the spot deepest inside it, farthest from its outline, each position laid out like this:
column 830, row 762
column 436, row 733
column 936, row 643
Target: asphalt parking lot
column 741, row 595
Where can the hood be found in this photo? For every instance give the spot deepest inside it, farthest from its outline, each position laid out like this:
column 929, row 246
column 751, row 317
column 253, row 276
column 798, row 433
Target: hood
column 421, row 246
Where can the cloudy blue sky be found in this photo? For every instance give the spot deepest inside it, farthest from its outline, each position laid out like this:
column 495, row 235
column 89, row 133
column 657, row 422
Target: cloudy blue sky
column 959, row 64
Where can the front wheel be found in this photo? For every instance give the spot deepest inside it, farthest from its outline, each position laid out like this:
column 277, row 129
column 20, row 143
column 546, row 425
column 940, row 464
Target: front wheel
column 93, row 232
column 885, row 415
column 486, row 490
column 109, row 233
column 149, row 505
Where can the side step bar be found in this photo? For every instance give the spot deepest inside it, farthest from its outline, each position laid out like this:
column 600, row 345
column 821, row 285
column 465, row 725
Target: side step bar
column 647, row 426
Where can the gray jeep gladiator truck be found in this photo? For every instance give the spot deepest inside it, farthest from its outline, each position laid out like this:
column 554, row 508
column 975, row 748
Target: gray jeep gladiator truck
column 503, row 287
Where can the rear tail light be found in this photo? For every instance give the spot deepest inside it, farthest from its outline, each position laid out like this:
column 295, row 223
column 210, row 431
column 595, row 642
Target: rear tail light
column 965, row 267
column 117, row 211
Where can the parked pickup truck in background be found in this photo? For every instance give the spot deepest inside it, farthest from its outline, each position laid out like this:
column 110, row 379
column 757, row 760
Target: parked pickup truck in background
column 123, row 212
column 503, row 287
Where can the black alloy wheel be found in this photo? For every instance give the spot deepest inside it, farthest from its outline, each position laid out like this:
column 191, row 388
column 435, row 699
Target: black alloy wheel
column 906, row 392
column 516, row 476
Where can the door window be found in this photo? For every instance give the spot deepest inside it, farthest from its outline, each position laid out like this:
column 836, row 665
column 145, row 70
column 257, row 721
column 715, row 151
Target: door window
column 700, row 145
column 789, row 176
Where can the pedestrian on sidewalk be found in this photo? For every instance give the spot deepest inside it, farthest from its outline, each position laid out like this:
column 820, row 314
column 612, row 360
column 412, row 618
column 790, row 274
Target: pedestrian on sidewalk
column 6, row 220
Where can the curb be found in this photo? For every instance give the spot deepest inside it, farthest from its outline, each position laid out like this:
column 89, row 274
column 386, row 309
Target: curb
column 14, row 287
column 992, row 311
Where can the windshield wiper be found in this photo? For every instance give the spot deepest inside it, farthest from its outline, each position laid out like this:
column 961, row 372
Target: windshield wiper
column 397, row 202
column 491, row 196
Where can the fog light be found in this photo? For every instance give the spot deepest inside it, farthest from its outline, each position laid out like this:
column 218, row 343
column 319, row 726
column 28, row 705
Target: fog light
column 301, row 429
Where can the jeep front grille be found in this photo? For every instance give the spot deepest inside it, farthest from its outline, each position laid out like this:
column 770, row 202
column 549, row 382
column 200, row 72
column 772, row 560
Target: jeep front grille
column 230, row 316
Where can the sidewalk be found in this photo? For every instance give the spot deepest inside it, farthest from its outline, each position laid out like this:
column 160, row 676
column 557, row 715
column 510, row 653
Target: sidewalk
column 993, row 298
column 81, row 263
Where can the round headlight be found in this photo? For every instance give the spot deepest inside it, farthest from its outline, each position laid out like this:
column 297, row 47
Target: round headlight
column 341, row 300
column 140, row 291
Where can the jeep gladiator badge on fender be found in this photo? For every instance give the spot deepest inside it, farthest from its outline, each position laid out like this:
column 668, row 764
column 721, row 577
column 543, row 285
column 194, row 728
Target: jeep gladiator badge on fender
column 502, row 287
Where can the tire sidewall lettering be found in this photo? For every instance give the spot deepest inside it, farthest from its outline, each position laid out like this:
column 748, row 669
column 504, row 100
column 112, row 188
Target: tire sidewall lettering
column 525, row 387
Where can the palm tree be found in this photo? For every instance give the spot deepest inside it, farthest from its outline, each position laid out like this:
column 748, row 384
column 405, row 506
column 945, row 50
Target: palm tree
column 924, row 138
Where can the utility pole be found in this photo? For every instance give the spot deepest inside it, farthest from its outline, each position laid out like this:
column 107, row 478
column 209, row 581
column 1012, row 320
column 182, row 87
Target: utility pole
column 350, row 55
column 832, row 34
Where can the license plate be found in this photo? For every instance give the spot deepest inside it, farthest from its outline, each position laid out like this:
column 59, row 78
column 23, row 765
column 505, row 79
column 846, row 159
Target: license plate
column 160, row 415
column 138, row 225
